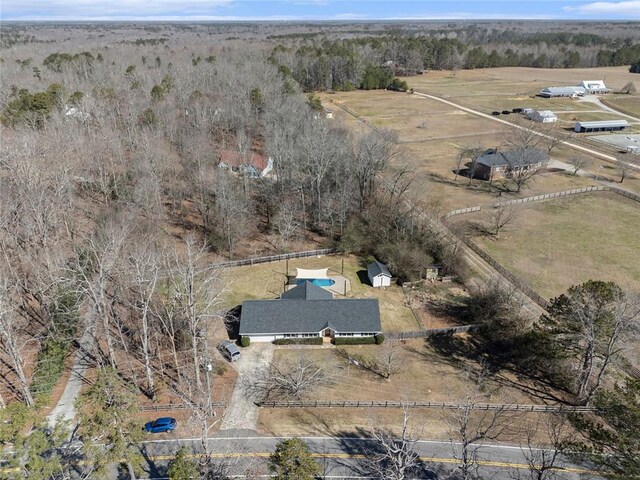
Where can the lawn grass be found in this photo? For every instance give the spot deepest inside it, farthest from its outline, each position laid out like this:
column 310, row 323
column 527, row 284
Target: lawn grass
column 557, row 244
column 425, row 375
column 266, row 281
column 629, row 104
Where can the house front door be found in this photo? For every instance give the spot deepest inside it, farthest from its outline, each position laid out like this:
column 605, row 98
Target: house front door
column 327, row 332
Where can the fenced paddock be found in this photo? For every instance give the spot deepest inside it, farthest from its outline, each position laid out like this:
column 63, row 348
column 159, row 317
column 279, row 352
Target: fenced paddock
column 558, row 244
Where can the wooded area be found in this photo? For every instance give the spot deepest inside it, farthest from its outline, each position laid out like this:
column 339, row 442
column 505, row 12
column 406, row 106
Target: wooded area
column 116, row 203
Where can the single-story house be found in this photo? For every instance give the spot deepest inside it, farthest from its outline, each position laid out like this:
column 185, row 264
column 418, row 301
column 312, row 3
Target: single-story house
column 543, row 116
column 601, row 126
column 594, row 86
column 252, row 164
column 551, row 92
column 309, row 311
column 497, row 164
column 378, row 274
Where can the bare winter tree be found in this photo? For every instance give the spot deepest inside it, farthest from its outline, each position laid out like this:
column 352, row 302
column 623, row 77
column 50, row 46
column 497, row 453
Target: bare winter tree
column 544, row 457
column 282, row 382
column 525, row 164
column 12, row 341
column 233, row 209
column 393, row 456
column 470, row 428
column 287, row 221
column 626, row 166
column 578, row 163
column 94, row 269
column 468, row 156
column 144, row 265
column 385, row 363
column 196, row 290
column 373, row 151
column 502, row 217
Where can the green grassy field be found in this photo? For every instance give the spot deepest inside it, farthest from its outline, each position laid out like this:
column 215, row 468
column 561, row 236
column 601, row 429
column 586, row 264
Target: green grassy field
column 556, row 244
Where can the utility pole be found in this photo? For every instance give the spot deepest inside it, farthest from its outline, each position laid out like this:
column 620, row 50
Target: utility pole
column 208, row 368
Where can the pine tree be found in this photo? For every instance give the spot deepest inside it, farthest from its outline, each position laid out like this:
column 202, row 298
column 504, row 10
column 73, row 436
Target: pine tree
column 292, row 459
column 182, row 467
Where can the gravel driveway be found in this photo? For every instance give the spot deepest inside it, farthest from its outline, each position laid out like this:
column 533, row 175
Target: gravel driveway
column 242, row 412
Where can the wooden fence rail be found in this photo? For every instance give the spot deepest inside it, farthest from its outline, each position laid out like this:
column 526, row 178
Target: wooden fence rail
column 176, row 406
column 438, row 405
column 535, row 198
column 272, row 258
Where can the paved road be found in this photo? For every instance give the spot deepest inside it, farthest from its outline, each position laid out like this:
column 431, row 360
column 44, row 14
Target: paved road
column 344, row 457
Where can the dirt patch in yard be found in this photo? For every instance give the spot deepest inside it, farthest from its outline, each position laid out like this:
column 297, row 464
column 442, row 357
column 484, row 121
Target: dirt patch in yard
column 437, row 305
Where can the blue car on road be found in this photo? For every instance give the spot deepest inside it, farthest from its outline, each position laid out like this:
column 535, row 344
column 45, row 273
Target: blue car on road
column 161, row 425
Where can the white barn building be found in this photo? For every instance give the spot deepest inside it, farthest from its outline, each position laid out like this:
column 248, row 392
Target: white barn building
column 594, row 86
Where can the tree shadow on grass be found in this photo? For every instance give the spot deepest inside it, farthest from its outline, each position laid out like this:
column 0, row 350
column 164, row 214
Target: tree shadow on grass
column 463, row 352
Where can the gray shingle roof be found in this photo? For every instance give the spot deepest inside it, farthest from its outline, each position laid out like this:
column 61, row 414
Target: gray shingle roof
column 513, row 158
column 307, row 291
column 269, row 317
column 376, row 268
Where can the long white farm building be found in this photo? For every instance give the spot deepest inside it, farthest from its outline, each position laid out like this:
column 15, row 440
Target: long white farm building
column 585, row 87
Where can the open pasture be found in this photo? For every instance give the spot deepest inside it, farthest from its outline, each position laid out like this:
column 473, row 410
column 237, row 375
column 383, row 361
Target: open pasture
column 432, row 135
column 554, row 245
column 508, row 81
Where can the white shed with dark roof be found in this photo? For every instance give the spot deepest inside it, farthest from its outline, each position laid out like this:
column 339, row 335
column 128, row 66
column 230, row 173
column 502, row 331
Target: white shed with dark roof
column 378, row 274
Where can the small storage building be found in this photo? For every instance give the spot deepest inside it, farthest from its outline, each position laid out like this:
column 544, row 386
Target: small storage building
column 543, row 116
column 378, row 274
column 601, row 126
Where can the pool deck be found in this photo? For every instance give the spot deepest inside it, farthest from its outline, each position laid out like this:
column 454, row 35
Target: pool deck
column 342, row 285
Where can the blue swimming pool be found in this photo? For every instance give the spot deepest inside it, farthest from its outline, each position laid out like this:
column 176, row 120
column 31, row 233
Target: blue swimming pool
column 320, row 282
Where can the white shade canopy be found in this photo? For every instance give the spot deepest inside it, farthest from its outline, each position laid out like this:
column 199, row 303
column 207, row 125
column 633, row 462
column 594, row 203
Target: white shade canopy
column 304, row 274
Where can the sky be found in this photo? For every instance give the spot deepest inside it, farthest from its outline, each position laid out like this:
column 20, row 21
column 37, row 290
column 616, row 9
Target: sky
column 305, row 10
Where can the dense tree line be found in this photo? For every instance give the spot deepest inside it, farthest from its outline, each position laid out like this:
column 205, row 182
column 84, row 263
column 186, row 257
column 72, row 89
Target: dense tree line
column 323, row 64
